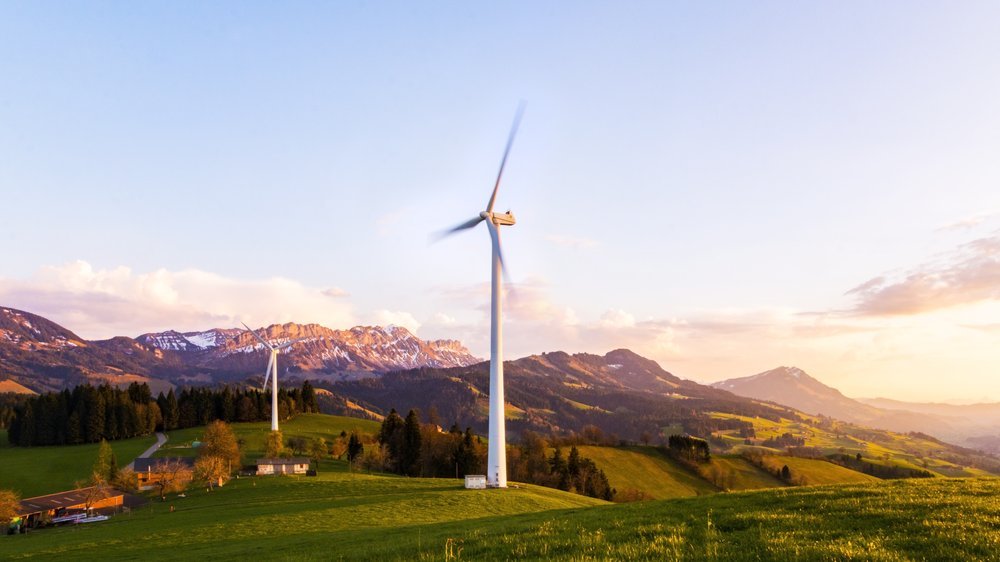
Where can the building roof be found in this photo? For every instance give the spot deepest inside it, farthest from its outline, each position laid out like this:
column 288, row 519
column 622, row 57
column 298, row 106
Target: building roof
column 62, row 499
column 149, row 464
column 293, row 460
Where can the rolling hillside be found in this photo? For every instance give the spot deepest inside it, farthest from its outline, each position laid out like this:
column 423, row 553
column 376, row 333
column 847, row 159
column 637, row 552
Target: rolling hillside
column 253, row 434
column 360, row 517
column 646, row 470
column 974, row 425
column 37, row 471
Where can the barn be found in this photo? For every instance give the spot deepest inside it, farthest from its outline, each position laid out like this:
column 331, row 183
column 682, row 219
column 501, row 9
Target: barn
column 42, row 509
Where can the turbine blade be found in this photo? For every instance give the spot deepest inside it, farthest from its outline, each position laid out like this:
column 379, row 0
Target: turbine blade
column 267, row 373
column 503, row 263
column 495, row 238
column 464, row 226
column 503, row 161
column 257, row 336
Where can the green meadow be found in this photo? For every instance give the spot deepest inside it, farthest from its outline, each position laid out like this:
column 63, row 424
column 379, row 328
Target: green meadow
column 646, row 470
column 253, row 434
column 36, row 471
column 348, row 516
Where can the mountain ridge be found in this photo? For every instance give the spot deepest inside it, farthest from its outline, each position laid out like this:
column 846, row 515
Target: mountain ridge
column 42, row 355
column 793, row 387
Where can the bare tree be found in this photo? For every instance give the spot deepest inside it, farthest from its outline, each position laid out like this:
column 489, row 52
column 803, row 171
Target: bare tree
column 213, row 471
column 173, row 476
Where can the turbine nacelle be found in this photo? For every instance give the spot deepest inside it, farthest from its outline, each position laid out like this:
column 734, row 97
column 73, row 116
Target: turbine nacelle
column 499, row 219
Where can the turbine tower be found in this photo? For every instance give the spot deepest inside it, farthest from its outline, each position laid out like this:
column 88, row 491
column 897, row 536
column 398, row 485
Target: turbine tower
column 496, row 464
column 272, row 372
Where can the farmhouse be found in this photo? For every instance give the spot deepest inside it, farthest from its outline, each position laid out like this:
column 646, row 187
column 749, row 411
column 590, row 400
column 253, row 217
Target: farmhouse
column 33, row 511
column 150, row 471
column 294, row 465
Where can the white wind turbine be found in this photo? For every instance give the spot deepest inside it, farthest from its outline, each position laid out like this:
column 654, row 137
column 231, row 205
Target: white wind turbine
column 272, row 372
column 497, row 457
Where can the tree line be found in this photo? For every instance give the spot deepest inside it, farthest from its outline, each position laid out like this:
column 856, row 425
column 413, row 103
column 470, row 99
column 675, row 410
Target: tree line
column 89, row 414
column 407, row 446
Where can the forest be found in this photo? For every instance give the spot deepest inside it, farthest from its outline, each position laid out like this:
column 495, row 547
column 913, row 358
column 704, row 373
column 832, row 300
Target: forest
column 88, row 414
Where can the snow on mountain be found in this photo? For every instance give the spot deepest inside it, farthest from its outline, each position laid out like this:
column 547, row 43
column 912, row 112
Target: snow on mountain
column 321, row 349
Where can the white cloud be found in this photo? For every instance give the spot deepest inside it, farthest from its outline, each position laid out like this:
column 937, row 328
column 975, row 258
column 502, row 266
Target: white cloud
column 617, row 318
column 968, row 274
column 968, row 222
column 574, row 242
column 397, row 318
column 101, row 303
column 335, row 293
column 443, row 319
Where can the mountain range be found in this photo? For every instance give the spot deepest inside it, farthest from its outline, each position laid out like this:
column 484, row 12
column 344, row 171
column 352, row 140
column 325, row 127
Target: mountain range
column 976, row 425
column 42, row 355
column 366, row 371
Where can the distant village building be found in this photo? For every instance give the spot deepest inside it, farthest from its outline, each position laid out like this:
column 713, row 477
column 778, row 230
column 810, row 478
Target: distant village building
column 475, row 481
column 149, row 471
column 294, row 465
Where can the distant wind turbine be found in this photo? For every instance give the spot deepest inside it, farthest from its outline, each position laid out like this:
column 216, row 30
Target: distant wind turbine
column 497, row 456
column 272, row 372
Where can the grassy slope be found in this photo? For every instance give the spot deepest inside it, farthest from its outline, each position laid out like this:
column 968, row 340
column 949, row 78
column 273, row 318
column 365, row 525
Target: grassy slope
column 36, row 471
column 890, row 448
column 814, row 472
column 359, row 517
column 279, row 517
column 647, row 470
column 746, row 476
column 253, row 434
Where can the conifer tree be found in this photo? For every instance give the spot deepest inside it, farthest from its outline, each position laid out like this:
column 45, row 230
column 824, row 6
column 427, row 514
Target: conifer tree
column 411, row 439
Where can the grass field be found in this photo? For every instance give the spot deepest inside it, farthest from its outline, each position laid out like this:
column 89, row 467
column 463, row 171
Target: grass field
column 289, row 518
column 746, row 476
column 879, row 447
column 36, row 471
column 343, row 516
column 647, row 470
column 814, row 472
column 253, row 434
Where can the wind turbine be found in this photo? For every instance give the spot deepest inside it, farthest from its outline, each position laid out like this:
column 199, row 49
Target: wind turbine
column 497, row 456
column 272, row 372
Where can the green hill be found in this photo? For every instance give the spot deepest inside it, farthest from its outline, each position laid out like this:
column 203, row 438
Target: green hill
column 646, row 470
column 344, row 516
column 36, row 471
column 816, row 472
column 741, row 475
column 335, row 514
column 253, row 434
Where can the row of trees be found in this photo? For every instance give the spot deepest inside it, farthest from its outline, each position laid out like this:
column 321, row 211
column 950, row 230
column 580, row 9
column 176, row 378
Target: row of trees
column 407, row 446
column 687, row 449
column 530, row 462
column 199, row 406
column 89, row 414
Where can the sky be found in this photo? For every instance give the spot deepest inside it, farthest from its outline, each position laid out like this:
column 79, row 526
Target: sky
column 723, row 187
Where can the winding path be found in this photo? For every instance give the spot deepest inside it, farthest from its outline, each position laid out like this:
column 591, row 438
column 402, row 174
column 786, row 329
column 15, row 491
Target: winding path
column 160, row 440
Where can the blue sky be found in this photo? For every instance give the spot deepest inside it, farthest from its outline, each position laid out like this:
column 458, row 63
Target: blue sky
column 704, row 183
